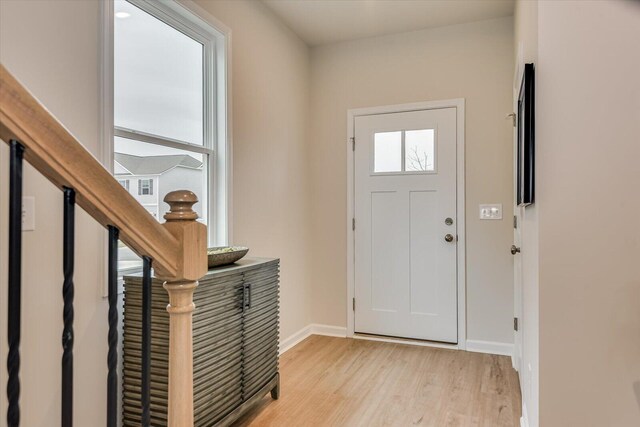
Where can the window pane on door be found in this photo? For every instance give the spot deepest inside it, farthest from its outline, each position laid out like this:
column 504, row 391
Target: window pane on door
column 419, row 150
column 387, row 153
column 158, row 76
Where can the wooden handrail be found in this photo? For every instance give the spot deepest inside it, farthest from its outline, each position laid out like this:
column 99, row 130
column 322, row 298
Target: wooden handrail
column 58, row 155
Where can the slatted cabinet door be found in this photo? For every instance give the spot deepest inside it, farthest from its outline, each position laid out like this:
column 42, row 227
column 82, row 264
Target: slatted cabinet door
column 235, row 343
column 217, row 358
column 260, row 349
column 217, row 348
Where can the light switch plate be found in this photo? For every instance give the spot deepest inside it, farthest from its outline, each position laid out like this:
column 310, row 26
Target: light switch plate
column 28, row 213
column 493, row 211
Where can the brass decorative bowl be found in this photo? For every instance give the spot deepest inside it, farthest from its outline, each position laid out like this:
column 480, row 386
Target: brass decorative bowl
column 224, row 255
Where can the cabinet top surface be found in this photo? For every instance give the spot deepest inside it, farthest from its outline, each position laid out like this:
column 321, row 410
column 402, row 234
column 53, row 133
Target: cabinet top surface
column 246, row 263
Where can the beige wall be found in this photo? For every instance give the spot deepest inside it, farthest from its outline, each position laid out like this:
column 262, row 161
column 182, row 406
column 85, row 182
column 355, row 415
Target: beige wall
column 472, row 61
column 52, row 48
column 526, row 51
column 270, row 91
column 588, row 127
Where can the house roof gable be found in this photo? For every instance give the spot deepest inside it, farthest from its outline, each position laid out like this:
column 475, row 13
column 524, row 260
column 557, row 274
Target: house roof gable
column 155, row 165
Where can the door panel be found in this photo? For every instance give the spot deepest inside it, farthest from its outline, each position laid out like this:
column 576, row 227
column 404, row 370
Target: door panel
column 405, row 188
column 385, row 236
column 424, row 292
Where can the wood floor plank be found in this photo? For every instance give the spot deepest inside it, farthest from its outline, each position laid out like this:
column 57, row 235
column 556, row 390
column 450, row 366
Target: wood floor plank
column 329, row 381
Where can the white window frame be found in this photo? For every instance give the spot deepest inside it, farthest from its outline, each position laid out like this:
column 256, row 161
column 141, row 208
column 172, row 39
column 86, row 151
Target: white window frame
column 192, row 20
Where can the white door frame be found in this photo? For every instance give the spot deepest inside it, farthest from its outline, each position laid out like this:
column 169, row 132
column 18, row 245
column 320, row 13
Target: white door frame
column 458, row 104
column 518, row 307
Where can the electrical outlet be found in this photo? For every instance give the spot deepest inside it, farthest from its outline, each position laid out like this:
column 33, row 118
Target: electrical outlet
column 28, row 213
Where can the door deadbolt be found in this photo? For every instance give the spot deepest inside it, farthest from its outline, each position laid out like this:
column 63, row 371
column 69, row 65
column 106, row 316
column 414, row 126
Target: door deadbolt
column 448, row 238
column 448, row 221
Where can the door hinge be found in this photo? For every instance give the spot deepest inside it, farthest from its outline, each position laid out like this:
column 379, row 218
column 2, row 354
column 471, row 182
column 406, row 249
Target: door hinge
column 515, row 221
column 353, row 143
column 515, row 324
column 353, row 224
column 354, row 304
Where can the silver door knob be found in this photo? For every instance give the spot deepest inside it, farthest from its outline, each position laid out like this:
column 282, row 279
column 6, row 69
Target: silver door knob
column 514, row 250
column 448, row 238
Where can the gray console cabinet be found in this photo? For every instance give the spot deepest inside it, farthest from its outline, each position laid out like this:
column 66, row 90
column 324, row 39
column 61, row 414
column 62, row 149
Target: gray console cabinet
column 235, row 343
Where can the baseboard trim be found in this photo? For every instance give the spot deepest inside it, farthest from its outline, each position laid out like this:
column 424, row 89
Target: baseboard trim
column 289, row 342
column 312, row 329
column 524, row 419
column 328, row 330
column 490, row 347
column 476, row 346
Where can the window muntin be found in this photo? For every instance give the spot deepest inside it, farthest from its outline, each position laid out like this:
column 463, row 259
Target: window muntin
column 404, row 151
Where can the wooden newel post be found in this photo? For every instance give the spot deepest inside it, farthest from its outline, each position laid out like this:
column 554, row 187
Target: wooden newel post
column 192, row 237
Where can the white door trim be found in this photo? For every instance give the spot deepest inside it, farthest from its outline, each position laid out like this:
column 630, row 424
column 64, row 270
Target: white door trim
column 458, row 104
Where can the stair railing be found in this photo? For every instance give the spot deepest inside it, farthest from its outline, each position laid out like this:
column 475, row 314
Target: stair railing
column 176, row 249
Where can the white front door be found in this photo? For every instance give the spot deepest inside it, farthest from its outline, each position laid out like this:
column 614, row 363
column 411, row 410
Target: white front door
column 405, row 235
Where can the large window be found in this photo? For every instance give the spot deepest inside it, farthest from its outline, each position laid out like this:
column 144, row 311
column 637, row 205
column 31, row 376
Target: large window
column 167, row 123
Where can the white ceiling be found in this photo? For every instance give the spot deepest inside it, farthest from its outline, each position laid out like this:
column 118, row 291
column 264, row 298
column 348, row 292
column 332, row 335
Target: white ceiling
column 327, row 21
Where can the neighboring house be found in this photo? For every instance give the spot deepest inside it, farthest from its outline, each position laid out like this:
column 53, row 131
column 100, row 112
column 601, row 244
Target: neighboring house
column 150, row 178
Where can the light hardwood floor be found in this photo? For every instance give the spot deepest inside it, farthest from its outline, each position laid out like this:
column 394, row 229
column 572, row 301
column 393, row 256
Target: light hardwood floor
column 344, row 382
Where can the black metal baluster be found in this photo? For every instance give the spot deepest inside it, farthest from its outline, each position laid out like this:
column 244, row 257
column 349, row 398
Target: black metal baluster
column 15, row 260
column 67, row 295
column 112, row 356
column 145, row 386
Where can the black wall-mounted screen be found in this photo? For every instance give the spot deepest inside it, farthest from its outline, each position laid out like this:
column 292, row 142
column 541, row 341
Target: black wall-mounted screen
column 526, row 140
